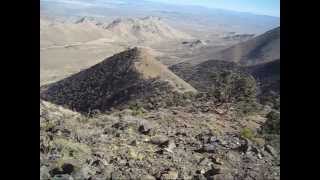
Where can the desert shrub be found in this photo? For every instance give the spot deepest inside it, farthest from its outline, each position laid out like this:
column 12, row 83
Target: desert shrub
column 246, row 108
column 270, row 130
column 272, row 124
column 253, row 136
column 70, row 150
column 232, row 86
column 175, row 99
column 137, row 109
column 247, row 133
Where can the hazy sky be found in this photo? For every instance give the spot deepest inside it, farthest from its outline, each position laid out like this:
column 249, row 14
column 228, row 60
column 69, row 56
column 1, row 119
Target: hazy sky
column 265, row 7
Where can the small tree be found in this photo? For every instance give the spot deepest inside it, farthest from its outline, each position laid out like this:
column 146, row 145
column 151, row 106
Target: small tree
column 234, row 88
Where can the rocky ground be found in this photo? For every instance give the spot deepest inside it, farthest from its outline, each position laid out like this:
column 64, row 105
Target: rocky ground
column 197, row 141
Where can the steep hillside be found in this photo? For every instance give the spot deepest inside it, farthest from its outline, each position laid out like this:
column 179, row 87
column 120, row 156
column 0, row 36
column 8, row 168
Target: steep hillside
column 266, row 72
column 263, row 48
column 126, row 78
column 268, row 77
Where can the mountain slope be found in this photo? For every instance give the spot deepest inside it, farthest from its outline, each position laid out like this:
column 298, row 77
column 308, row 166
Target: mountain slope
column 54, row 33
column 263, row 48
column 129, row 77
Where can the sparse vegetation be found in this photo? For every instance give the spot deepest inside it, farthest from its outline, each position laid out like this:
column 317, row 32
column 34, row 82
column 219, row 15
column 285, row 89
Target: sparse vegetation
column 247, row 133
column 236, row 88
column 232, row 87
column 137, row 109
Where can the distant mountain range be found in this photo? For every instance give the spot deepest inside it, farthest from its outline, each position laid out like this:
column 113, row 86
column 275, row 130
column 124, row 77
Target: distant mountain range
column 84, row 29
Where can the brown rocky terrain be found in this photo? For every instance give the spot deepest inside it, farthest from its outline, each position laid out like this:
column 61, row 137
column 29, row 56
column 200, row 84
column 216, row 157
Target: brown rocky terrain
column 167, row 143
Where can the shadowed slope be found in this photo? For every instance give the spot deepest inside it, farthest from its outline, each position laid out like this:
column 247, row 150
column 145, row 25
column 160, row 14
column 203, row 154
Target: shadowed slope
column 268, row 77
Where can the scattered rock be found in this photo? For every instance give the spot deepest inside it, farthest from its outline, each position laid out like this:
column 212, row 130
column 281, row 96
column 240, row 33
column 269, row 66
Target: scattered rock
column 67, row 168
column 44, row 173
column 84, row 173
column 147, row 177
column 205, row 162
column 208, row 148
column 270, row 150
column 62, row 177
column 233, row 157
column 201, row 171
column 199, row 177
column 245, row 147
column 223, row 177
column 169, row 146
column 151, row 152
column 170, row 175
column 116, row 175
column 217, row 160
column 55, row 171
column 134, row 143
column 145, row 127
column 120, row 125
column 218, row 169
column 159, row 140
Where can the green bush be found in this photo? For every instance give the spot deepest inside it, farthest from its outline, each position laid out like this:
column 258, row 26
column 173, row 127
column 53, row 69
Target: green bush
column 247, row 133
column 237, row 88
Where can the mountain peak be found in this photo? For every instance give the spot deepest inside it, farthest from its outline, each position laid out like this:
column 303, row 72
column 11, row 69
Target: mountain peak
column 131, row 76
